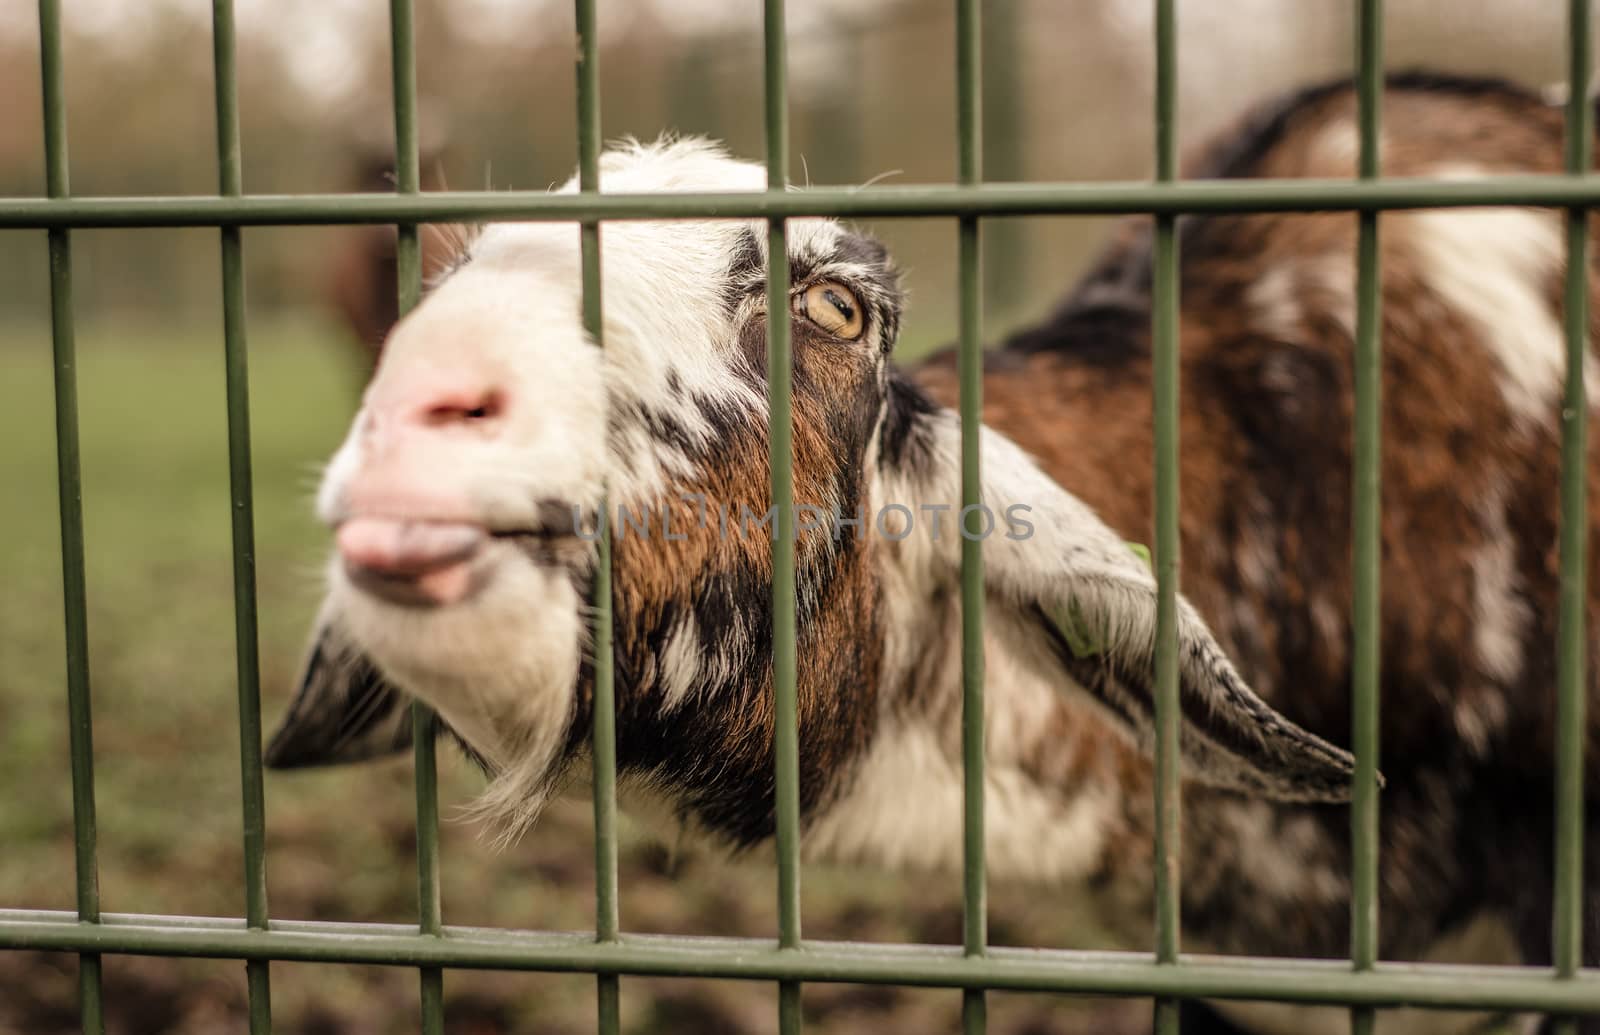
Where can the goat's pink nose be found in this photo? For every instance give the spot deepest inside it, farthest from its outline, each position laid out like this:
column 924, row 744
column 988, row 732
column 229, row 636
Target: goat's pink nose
column 442, row 399
column 463, row 406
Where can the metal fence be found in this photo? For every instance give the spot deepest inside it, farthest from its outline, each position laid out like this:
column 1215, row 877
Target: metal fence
column 1363, row 983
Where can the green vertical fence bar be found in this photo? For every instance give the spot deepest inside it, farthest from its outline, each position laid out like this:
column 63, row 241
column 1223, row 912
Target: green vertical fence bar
column 1164, row 335
column 80, row 728
column 786, row 747
column 969, row 136
column 408, row 268
column 431, row 979
column 242, row 510
column 1571, row 646
column 603, row 736
column 1366, row 502
column 1008, row 243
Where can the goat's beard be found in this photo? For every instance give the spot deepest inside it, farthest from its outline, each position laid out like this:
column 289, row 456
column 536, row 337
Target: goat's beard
column 502, row 671
column 516, row 796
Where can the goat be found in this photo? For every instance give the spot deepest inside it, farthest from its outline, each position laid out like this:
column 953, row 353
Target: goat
column 465, row 504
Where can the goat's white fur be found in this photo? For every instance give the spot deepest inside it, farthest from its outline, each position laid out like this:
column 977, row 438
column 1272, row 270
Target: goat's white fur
column 1497, row 267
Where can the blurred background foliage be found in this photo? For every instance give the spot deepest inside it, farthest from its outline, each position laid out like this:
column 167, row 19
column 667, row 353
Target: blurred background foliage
column 1068, row 87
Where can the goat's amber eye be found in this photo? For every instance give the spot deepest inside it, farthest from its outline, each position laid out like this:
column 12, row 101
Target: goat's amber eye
column 834, row 308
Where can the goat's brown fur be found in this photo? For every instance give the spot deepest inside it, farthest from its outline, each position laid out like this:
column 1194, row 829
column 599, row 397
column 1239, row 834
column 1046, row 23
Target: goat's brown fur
column 660, row 582
column 1266, row 433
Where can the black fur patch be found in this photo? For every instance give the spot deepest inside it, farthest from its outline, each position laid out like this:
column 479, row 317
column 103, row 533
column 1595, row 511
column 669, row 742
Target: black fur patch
column 747, row 267
column 905, row 444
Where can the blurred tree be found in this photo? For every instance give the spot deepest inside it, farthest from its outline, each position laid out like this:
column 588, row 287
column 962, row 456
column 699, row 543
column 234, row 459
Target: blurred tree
column 1067, row 96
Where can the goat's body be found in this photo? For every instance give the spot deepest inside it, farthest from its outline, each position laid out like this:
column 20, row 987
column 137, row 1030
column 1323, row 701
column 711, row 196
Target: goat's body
column 1473, row 368
column 493, row 422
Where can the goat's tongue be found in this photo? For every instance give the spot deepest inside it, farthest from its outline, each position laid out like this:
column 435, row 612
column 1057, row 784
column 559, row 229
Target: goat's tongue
column 431, row 556
column 398, row 547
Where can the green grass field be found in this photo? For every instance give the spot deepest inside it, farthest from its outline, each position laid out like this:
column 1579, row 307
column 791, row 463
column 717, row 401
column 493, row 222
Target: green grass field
column 340, row 843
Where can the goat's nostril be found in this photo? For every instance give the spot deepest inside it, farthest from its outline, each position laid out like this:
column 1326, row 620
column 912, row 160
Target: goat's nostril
column 475, row 408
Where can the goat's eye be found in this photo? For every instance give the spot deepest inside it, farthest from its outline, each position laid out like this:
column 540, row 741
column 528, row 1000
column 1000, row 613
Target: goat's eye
column 832, row 307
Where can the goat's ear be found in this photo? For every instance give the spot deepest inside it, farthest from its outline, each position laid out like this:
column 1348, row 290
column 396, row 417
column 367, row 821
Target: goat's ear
column 1077, row 603
column 1091, row 604
column 1096, row 626
column 343, row 710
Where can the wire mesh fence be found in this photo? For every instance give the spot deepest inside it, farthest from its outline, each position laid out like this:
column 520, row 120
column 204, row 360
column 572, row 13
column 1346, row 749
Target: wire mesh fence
column 1363, row 983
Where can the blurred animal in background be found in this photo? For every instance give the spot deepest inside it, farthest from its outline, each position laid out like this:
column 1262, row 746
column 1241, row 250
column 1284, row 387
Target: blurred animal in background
column 363, row 282
column 465, row 500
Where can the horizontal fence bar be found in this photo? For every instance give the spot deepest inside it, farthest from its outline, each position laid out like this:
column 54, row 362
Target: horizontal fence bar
column 1330, row 982
column 997, row 199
